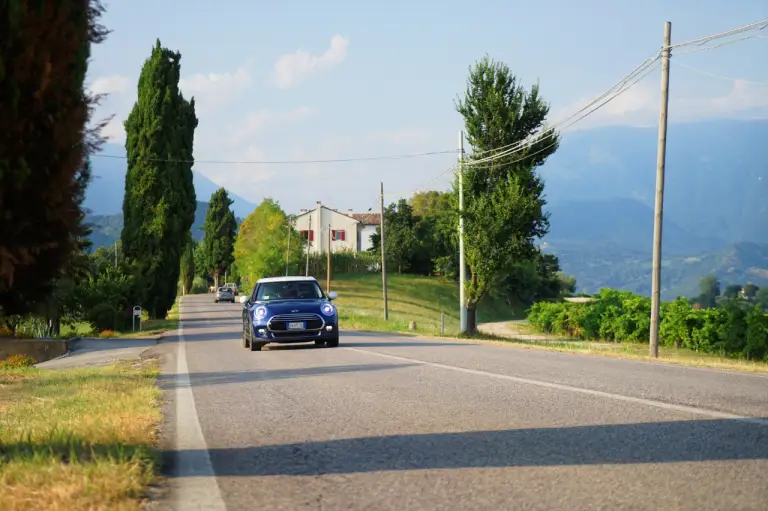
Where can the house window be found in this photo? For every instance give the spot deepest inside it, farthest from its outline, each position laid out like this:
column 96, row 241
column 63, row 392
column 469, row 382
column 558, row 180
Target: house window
column 338, row 235
column 311, row 235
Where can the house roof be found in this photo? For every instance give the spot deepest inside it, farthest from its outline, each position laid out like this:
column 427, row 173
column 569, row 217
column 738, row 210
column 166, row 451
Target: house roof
column 328, row 209
column 367, row 218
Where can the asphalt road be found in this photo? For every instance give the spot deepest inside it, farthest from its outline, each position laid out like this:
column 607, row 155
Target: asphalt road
column 396, row 423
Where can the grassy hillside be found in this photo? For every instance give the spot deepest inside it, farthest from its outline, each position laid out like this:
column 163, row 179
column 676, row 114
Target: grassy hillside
column 411, row 298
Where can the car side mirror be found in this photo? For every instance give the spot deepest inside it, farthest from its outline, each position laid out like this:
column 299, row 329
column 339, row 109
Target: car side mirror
column 332, row 295
column 243, row 299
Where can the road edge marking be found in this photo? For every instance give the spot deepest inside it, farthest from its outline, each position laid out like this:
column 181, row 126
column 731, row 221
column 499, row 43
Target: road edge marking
column 196, row 485
column 568, row 388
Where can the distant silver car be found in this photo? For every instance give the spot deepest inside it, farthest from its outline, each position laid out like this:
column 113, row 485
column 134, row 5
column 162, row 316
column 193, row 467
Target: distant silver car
column 225, row 294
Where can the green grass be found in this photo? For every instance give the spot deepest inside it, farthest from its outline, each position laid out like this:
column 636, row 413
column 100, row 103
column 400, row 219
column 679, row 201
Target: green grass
column 410, row 298
column 78, row 439
column 150, row 327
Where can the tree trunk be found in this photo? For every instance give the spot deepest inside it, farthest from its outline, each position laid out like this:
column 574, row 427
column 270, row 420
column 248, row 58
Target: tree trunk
column 471, row 319
column 216, row 279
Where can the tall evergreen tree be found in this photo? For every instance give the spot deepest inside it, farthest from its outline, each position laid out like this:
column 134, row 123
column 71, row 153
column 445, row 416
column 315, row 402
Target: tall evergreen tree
column 44, row 142
column 159, row 204
column 503, row 197
column 188, row 265
column 219, row 240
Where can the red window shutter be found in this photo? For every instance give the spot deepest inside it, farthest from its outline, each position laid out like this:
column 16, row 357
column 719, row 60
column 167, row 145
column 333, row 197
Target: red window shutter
column 343, row 235
column 333, row 235
column 311, row 235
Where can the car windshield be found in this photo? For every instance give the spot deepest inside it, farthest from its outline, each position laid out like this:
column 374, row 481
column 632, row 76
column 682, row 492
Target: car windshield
column 223, row 289
column 290, row 290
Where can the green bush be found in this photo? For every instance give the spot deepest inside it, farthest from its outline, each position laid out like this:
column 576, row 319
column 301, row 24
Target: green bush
column 199, row 286
column 621, row 316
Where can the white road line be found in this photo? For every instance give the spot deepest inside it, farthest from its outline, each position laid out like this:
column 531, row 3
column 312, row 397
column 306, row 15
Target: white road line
column 557, row 386
column 196, row 486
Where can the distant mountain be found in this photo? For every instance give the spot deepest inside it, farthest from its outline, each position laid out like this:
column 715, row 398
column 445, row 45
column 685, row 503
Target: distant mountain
column 600, row 188
column 106, row 191
column 609, row 265
column 716, row 174
column 627, row 223
column 107, row 228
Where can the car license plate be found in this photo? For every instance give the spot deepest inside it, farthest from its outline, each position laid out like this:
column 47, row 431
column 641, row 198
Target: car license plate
column 297, row 325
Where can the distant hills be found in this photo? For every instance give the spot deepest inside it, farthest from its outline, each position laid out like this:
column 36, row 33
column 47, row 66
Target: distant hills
column 107, row 228
column 600, row 187
column 106, row 191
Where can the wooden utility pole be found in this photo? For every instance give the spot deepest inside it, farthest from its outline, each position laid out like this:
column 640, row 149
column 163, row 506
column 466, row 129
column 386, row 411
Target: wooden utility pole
column 309, row 243
column 658, row 216
column 383, row 256
column 328, row 263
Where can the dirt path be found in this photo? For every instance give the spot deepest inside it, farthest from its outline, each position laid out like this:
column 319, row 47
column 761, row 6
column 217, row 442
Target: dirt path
column 516, row 330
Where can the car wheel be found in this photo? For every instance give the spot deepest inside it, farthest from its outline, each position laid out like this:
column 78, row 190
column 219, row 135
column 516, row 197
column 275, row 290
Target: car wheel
column 333, row 343
column 215, row 301
column 256, row 346
column 246, row 336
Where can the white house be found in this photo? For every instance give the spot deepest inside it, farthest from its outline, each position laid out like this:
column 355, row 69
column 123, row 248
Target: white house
column 348, row 230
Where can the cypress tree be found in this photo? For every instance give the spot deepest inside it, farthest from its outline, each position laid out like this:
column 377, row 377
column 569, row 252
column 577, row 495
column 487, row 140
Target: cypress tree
column 219, row 240
column 44, row 143
column 188, row 265
column 159, row 204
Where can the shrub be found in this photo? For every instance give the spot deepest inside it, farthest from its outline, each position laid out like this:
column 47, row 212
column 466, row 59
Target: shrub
column 621, row 316
column 17, row 361
column 106, row 334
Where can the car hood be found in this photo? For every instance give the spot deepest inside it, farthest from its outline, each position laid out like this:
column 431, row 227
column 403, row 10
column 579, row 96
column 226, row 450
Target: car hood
column 288, row 307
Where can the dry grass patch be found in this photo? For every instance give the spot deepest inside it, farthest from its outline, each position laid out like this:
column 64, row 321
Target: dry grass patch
column 78, row 439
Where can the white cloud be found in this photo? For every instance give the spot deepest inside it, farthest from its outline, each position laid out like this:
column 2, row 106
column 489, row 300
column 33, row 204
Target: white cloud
column 214, row 90
column 256, row 122
column 114, row 131
column 292, row 68
column 109, row 84
column 639, row 106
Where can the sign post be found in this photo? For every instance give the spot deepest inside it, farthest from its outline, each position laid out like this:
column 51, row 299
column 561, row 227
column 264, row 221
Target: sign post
column 136, row 314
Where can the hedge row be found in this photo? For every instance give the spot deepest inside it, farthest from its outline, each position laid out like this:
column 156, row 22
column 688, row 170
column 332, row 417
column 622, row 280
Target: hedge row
column 620, row 316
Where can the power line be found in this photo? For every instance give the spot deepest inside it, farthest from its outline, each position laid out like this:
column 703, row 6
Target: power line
column 646, row 68
column 279, row 162
column 620, row 84
column 726, row 43
column 528, row 143
column 714, row 75
column 758, row 25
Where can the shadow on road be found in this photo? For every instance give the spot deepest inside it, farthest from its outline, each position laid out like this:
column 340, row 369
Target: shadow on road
column 398, row 344
column 168, row 382
column 657, row 442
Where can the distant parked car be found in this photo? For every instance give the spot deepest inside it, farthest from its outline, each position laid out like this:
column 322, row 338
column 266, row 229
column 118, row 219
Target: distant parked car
column 224, row 294
column 233, row 287
column 289, row 310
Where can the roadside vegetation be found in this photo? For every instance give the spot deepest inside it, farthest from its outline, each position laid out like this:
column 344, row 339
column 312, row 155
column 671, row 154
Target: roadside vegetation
column 78, row 439
column 411, row 298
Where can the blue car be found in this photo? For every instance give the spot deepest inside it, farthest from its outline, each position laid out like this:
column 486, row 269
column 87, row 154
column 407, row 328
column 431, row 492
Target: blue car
column 289, row 310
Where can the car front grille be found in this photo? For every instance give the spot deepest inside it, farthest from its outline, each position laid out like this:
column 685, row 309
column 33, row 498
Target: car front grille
column 279, row 323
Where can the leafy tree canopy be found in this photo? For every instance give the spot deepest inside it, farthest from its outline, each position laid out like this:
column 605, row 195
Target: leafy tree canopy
column 503, row 197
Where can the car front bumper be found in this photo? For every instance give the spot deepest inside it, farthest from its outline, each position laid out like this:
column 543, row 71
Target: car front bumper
column 329, row 331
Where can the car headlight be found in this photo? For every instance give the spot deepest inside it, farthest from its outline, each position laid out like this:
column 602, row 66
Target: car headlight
column 260, row 312
column 327, row 309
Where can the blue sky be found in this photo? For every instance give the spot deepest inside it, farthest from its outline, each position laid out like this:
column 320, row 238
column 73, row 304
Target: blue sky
column 380, row 78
